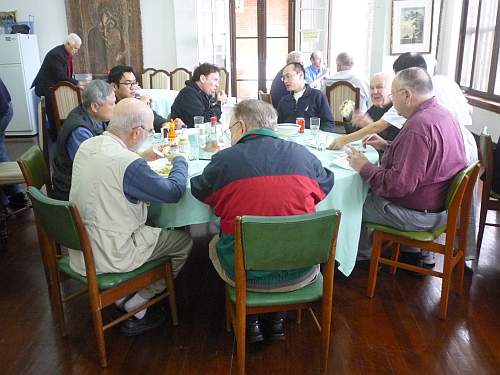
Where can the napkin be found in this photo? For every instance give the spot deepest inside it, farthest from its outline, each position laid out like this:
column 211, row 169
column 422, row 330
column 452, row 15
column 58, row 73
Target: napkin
column 342, row 163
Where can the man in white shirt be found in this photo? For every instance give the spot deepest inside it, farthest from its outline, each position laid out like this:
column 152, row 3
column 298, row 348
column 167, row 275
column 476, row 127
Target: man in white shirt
column 345, row 63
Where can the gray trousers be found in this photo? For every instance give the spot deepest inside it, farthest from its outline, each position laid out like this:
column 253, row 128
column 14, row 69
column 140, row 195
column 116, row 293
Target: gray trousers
column 379, row 210
column 177, row 245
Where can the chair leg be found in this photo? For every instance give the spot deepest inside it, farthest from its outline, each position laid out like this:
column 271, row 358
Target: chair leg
column 395, row 257
column 299, row 316
column 240, row 333
column 459, row 282
column 445, row 288
column 169, row 281
column 372, row 278
column 326, row 320
column 57, row 304
column 482, row 221
column 99, row 334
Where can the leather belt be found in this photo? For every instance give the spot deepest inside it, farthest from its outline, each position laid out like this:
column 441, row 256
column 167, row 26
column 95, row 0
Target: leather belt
column 429, row 211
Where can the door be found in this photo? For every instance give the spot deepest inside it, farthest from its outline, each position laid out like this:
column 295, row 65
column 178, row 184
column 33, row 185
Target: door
column 261, row 36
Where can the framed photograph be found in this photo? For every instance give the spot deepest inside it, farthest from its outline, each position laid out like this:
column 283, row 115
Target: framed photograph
column 411, row 26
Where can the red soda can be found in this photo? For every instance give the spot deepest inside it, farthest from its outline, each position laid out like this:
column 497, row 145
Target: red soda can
column 302, row 122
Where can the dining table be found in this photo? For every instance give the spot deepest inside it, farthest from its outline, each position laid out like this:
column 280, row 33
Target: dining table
column 347, row 195
column 161, row 100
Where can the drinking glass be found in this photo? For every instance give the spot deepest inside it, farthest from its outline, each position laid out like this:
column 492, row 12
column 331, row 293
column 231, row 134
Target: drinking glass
column 321, row 142
column 314, row 125
column 198, row 120
column 194, row 146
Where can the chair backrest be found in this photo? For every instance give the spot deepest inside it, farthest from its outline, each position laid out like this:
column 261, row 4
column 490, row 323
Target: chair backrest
column 178, row 78
column 65, row 97
column 160, row 80
column 273, row 243
column 146, row 78
column 224, row 80
column 34, row 168
column 43, row 137
column 265, row 97
column 339, row 91
column 486, row 157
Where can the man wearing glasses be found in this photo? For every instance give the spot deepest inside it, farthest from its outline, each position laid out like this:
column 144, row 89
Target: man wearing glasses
column 111, row 185
column 124, row 82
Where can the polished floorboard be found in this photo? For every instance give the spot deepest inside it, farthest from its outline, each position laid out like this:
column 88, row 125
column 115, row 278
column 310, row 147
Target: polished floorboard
column 396, row 332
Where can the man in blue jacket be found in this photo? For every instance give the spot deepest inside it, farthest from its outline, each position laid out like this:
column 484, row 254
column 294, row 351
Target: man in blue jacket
column 260, row 174
column 303, row 101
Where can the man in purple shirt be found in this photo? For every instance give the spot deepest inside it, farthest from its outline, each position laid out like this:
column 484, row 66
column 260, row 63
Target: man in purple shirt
column 408, row 189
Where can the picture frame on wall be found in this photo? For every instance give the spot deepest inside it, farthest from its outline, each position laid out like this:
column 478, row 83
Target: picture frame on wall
column 411, row 26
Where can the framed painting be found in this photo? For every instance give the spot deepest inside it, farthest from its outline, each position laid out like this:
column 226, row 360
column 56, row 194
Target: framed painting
column 110, row 31
column 411, row 26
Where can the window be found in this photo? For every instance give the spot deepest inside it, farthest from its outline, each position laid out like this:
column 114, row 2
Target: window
column 213, row 36
column 478, row 55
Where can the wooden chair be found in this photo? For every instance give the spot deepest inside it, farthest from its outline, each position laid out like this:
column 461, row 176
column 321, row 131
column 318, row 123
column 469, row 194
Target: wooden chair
column 458, row 202
column 489, row 199
column 336, row 93
column 294, row 242
column 146, row 77
column 43, row 135
column 265, row 97
column 59, row 221
column 178, row 78
column 224, row 80
column 160, row 80
column 34, row 169
column 65, row 96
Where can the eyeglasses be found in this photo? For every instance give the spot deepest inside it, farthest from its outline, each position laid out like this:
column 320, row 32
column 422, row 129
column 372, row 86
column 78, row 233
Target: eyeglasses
column 151, row 132
column 128, row 83
column 392, row 93
column 228, row 130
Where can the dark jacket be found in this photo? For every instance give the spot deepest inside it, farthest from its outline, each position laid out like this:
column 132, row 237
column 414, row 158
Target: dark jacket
column 312, row 103
column 54, row 69
column 261, row 175
column 5, row 99
column 376, row 114
column 191, row 101
column 496, row 168
column 62, row 164
column 158, row 121
column 278, row 89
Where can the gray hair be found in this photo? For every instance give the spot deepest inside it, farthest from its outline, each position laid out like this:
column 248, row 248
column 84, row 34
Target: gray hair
column 294, row 56
column 417, row 80
column 73, row 40
column 96, row 91
column 344, row 59
column 256, row 114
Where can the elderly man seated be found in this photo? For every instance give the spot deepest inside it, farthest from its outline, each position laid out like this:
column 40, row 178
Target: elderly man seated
column 408, row 189
column 303, row 101
column 83, row 122
column 124, row 82
column 315, row 73
column 111, row 186
column 241, row 180
column 380, row 94
column 200, row 96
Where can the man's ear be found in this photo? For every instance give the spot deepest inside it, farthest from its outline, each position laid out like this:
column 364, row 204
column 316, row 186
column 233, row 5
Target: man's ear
column 94, row 107
column 203, row 78
column 243, row 126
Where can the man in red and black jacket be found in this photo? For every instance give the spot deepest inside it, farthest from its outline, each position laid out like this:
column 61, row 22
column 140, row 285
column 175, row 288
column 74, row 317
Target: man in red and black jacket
column 261, row 174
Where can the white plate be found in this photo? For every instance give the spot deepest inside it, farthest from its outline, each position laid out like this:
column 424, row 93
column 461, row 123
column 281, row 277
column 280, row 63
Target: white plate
column 158, row 165
column 287, row 129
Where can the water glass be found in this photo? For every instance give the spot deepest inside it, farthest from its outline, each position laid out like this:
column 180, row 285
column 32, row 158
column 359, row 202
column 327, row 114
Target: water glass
column 194, row 146
column 321, row 142
column 314, row 125
column 198, row 120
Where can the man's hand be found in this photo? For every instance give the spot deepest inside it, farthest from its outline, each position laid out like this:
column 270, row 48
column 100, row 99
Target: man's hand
column 355, row 158
column 221, row 96
column 171, row 155
column 151, row 154
column 376, row 141
column 179, row 124
column 361, row 119
column 338, row 143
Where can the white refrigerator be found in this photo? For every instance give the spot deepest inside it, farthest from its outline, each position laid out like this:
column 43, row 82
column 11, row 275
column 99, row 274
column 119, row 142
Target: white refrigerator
column 19, row 64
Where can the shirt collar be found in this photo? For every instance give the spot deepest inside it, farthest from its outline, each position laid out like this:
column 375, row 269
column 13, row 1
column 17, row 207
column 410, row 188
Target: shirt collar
column 265, row 132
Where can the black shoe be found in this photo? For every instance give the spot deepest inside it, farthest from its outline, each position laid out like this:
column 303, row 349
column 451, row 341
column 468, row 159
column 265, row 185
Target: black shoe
column 152, row 319
column 277, row 330
column 254, row 332
column 18, row 201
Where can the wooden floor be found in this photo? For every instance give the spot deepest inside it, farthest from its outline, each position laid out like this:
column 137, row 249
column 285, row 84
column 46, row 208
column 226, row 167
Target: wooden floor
column 397, row 332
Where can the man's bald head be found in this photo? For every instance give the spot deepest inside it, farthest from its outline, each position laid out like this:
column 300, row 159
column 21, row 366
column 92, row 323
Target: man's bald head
column 380, row 89
column 410, row 89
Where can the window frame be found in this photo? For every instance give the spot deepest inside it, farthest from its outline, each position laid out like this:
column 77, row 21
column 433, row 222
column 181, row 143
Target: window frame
column 486, row 99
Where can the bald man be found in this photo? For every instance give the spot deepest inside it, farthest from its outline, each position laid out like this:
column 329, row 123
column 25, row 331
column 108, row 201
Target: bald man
column 408, row 189
column 111, row 185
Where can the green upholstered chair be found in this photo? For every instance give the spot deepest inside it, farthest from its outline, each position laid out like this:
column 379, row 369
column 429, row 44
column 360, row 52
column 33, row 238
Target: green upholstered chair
column 458, row 203
column 278, row 243
column 34, row 168
column 60, row 221
column 489, row 199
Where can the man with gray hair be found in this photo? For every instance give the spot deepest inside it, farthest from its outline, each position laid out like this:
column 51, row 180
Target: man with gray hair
column 261, row 174
column 111, row 184
column 408, row 189
column 345, row 72
column 278, row 88
column 57, row 66
column 83, row 122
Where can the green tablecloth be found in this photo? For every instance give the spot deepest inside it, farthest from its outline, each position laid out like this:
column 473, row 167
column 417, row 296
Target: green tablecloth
column 348, row 195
